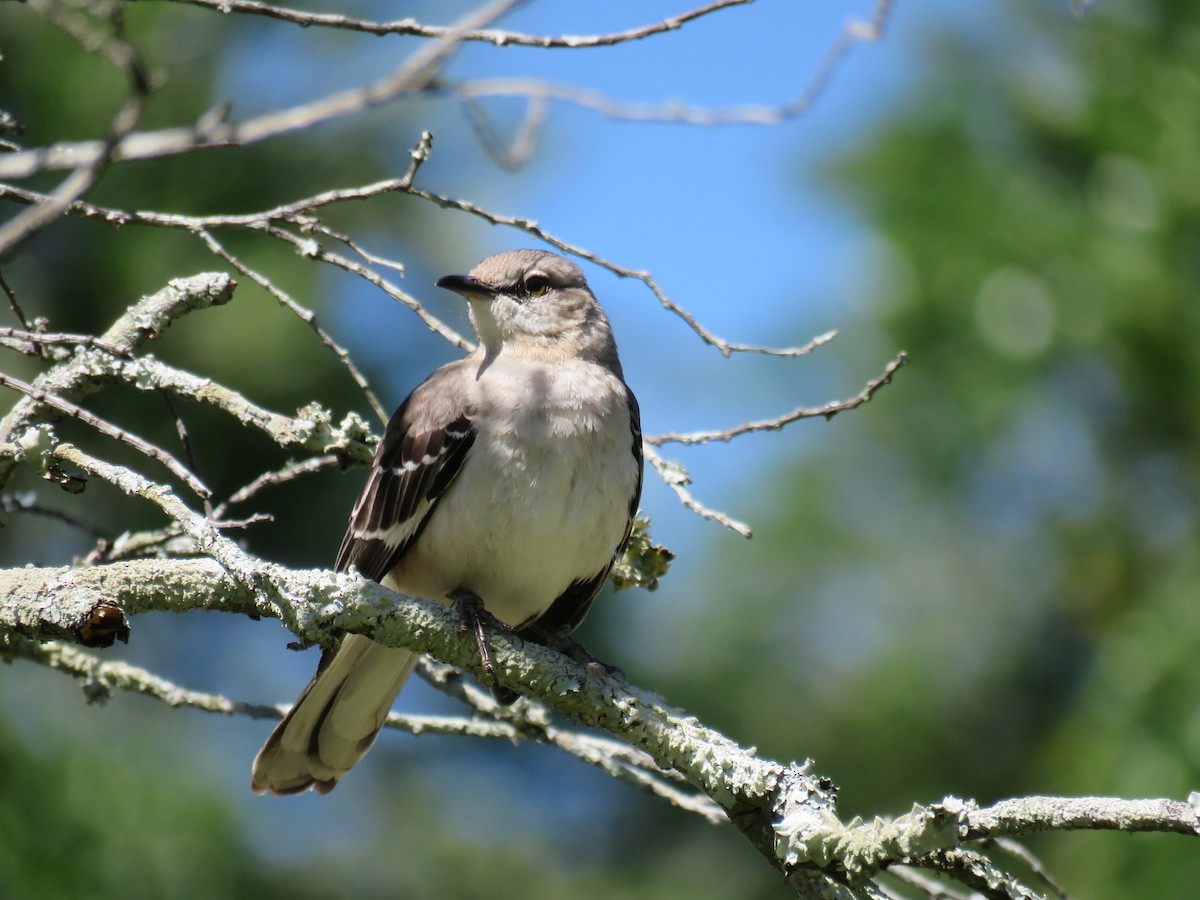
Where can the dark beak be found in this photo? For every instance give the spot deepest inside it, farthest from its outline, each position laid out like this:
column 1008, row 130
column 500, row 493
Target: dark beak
column 467, row 287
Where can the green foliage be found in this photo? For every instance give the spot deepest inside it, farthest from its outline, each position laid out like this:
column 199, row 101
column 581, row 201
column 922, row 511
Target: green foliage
column 987, row 584
column 87, row 823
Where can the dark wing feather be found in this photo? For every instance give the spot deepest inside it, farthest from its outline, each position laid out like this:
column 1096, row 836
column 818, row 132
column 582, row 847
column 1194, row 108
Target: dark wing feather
column 572, row 605
column 422, row 451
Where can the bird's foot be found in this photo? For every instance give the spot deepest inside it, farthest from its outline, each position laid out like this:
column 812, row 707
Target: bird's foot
column 474, row 617
column 568, row 646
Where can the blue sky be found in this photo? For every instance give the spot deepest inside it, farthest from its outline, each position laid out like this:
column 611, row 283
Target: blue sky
column 732, row 222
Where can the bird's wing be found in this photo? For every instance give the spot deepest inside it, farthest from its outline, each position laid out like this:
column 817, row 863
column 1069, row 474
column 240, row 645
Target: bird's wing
column 419, row 457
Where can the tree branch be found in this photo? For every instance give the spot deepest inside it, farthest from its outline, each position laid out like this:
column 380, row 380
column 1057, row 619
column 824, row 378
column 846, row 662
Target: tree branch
column 827, row 411
column 526, row 721
column 317, row 605
column 412, row 76
column 498, row 37
column 787, row 812
column 87, row 370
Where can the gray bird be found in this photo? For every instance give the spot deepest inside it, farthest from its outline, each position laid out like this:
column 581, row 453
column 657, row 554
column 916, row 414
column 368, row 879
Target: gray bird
column 509, row 478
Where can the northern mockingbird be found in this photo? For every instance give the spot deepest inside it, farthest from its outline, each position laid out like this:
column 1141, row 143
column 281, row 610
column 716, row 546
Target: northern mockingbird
column 508, row 478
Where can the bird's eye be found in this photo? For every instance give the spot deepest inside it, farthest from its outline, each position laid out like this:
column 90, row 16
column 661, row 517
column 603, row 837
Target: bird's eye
column 536, row 285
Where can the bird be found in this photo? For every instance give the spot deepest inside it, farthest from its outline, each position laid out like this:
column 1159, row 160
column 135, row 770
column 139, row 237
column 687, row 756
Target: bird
column 506, row 483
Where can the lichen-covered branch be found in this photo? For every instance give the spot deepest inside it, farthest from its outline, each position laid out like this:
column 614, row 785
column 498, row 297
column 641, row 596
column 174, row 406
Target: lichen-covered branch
column 788, row 812
column 59, row 603
column 88, row 368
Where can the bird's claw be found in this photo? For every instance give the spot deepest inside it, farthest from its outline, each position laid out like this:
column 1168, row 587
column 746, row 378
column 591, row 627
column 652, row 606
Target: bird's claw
column 474, row 617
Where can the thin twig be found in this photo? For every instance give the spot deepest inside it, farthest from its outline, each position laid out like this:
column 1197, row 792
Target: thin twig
column 827, row 410
column 979, row 873
column 500, row 38
column 854, row 32
column 676, row 478
column 534, row 230
column 310, row 248
column 931, row 886
column 85, row 175
column 513, row 154
column 27, row 502
column 185, row 440
column 13, row 303
column 1035, row 865
column 414, row 75
column 115, row 432
column 305, row 315
column 17, row 338
column 102, row 676
column 277, row 477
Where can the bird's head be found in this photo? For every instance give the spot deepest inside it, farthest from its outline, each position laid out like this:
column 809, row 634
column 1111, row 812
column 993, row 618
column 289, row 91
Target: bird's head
column 537, row 304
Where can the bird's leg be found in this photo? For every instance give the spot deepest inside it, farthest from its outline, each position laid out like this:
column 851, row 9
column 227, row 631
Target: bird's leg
column 562, row 641
column 473, row 616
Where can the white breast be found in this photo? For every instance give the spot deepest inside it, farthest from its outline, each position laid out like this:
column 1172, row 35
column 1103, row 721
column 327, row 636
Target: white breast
column 543, row 497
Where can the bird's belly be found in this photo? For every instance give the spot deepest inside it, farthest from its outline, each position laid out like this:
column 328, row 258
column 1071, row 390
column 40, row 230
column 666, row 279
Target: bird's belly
column 522, row 522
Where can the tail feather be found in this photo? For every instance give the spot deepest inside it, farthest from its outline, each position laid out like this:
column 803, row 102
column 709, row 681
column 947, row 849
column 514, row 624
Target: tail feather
column 334, row 721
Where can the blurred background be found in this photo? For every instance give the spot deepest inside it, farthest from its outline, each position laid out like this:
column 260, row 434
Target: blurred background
column 983, row 583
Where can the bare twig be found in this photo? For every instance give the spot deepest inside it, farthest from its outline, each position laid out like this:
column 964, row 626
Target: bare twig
column 122, row 54
column 854, row 32
column 174, row 466
column 27, row 341
column 827, row 410
column 13, row 303
column 935, row 889
column 676, row 478
column 277, row 477
column 413, row 76
column 513, row 154
column 27, row 502
column 305, row 315
column 311, row 248
column 185, row 440
column 297, row 211
column 1025, row 856
column 498, row 37
column 532, row 228
column 978, row 872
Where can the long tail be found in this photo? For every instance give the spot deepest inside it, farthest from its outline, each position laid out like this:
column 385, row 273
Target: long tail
column 334, row 721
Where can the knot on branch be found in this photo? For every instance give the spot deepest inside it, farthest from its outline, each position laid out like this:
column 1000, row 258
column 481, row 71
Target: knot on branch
column 811, row 834
column 643, row 563
column 806, row 826
column 351, row 440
